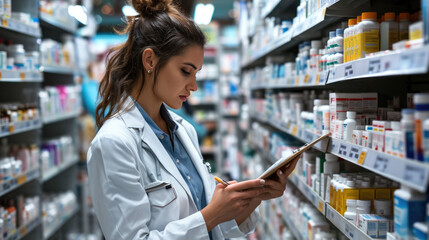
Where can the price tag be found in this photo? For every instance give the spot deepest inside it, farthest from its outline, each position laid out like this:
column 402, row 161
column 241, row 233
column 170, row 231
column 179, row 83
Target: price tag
column 349, row 230
column 317, row 79
column 23, row 231
column 297, row 81
column 362, row 156
column 294, row 130
column 343, row 150
column 321, row 206
column 307, row 78
column 22, row 179
column 354, row 153
column 381, row 163
column 348, row 71
column 414, row 174
column 22, row 76
column 330, row 214
column 333, row 146
column 4, row 22
column 374, row 66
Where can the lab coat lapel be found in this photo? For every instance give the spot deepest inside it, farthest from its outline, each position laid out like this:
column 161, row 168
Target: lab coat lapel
column 193, row 154
column 151, row 141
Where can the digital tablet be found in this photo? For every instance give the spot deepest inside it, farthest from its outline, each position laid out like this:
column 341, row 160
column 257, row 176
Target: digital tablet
column 284, row 161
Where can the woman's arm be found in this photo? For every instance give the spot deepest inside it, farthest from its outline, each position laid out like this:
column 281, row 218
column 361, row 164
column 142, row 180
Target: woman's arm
column 120, row 200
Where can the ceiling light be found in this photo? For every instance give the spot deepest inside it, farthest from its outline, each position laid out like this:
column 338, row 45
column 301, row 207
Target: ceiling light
column 129, row 11
column 203, row 13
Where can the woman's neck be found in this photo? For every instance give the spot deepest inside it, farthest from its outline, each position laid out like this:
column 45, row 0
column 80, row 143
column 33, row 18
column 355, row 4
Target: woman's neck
column 150, row 104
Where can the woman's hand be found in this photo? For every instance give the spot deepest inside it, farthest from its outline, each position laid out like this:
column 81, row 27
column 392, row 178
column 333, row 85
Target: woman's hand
column 275, row 188
column 231, row 201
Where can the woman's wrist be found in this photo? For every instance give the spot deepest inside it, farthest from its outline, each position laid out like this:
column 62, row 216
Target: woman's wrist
column 209, row 217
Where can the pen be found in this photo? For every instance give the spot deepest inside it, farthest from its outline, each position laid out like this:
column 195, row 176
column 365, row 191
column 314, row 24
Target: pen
column 220, row 180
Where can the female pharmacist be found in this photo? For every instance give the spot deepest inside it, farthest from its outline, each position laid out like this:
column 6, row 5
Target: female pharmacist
column 146, row 174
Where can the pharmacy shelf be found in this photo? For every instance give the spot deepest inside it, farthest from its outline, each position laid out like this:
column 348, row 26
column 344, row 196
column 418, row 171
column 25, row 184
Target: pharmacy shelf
column 208, row 150
column 58, row 70
column 203, row 103
column 60, row 117
column 16, row 26
column 49, row 232
column 6, row 186
column 309, row 193
column 313, row 80
column 405, row 171
column 22, row 231
column 395, row 63
column 50, row 173
column 19, row 127
column 276, row 7
column 347, row 228
column 20, row 76
column 288, row 221
column 317, row 21
column 296, row 131
column 50, row 20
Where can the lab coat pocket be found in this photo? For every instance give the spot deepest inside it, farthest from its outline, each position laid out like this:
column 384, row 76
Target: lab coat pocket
column 160, row 193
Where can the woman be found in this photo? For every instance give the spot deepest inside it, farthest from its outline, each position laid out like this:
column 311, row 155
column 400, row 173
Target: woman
column 146, row 174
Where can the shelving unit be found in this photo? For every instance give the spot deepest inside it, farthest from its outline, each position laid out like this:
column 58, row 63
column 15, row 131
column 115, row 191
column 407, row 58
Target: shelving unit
column 60, row 117
column 18, row 27
column 7, row 186
column 21, row 127
column 47, row 234
column 21, row 232
column 50, row 173
column 406, row 69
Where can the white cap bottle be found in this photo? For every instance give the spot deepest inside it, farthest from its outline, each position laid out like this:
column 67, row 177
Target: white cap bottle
column 349, row 126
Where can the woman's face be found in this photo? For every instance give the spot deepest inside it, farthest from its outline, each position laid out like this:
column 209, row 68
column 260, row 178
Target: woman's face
column 177, row 78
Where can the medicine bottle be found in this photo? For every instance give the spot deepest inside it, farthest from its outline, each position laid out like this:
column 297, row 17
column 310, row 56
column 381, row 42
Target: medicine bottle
column 339, row 125
column 326, row 123
column 409, row 208
column 388, row 31
column 338, row 41
column 331, row 165
column 408, row 128
column 368, row 34
column 421, row 104
column 354, row 39
column 383, row 207
column 330, row 43
column 316, row 45
column 362, row 207
column 350, row 213
column 18, row 53
column 404, row 23
column 318, row 114
column 347, row 39
column 426, row 140
column 349, row 126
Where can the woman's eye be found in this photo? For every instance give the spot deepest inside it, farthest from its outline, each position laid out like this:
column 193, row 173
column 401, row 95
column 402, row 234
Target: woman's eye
column 185, row 72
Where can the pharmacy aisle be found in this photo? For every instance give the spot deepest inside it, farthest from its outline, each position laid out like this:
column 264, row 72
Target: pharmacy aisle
column 357, row 70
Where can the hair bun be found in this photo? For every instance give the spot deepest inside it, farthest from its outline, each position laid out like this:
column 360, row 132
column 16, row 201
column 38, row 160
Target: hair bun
column 149, row 8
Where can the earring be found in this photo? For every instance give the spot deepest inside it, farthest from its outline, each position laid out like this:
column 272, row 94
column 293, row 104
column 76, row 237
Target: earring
column 149, row 71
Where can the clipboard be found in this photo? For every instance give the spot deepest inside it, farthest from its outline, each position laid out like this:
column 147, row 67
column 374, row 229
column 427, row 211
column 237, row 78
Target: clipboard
column 268, row 174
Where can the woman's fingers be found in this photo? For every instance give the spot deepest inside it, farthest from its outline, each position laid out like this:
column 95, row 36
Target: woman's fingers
column 246, row 185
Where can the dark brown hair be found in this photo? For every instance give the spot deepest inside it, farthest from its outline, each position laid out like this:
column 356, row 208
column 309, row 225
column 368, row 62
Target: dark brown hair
column 160, row 27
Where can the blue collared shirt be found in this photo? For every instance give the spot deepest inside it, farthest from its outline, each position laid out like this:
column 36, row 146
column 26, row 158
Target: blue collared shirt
column 178, row 154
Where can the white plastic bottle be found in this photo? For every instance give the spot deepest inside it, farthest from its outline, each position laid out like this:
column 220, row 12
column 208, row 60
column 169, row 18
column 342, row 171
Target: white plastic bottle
column 408, row 129
column 338, row 41
column 409, row 208
column 339, row 125
column 350, row 213
column 349, row 126
column 368, row 34
column 318, row 114
column 388, row 31
column 316, row 45
column 404, row 23
column 330, row 43
column 347, row 39
column 331, row 165
column 326, row 123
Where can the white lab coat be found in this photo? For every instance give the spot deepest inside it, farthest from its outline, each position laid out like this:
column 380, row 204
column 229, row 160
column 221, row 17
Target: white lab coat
column 131, row 199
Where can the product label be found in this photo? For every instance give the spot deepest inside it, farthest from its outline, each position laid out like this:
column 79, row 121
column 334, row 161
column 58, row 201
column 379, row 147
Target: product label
column 406, row 214
column 416, row 34
column 382, row 193
column 393, row 37
column 419, row 140
column 409, row 144
column 368, row 42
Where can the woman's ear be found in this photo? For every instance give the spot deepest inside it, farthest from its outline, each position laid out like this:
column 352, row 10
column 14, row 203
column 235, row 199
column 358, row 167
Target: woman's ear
column 149, row 60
